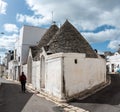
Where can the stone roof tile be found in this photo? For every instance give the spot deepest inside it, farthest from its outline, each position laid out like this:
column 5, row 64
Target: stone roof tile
column 69, row 40
column 48, row 36
column 45, row 39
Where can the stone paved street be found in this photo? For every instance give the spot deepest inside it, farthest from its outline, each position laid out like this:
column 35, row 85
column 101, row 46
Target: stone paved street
column 106, row 100
column 13, row 100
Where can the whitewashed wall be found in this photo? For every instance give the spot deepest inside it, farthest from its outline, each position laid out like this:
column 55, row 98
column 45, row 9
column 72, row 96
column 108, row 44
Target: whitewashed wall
column 85, row 74
column 53, row 76
column 10, row 70
column 116, row 67
column 36, row 75
column 115, row 61
column 29, row 36
column 24, row 69
column 2, row 69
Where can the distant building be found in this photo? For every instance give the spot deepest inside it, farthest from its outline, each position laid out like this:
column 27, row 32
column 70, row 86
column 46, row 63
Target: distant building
column 113, row 63
column 108, row 53
column 9, row 56
column 2, row 70
column 29, row 35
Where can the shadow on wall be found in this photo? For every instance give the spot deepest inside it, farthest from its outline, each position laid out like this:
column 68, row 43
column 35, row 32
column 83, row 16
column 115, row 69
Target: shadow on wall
column 12, row 99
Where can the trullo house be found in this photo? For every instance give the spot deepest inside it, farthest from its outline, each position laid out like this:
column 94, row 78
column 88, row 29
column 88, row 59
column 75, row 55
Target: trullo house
column 63, row 65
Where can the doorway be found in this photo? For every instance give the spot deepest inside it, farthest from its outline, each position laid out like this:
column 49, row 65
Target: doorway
column 113, row 67
column 42, row 72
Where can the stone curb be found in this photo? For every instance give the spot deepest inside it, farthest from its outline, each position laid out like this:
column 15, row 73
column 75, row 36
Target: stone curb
column 66, row 107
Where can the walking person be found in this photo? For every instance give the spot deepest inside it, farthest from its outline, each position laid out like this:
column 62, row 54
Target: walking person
column 23, row 82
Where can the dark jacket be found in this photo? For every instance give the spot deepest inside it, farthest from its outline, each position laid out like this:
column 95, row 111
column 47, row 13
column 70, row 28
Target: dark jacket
column 22, row 78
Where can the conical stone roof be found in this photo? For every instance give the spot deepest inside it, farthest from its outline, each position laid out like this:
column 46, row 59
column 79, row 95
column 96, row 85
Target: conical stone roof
column 69, row 40
column 45, row 39
column 48, row 36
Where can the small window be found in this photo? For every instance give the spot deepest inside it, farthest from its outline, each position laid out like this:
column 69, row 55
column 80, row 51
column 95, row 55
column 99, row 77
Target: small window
column 75, row 61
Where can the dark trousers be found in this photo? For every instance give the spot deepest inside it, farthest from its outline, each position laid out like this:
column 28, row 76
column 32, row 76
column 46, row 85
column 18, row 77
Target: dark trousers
column 23, row 88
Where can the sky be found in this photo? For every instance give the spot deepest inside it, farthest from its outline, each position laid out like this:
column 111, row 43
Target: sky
column 97, row 20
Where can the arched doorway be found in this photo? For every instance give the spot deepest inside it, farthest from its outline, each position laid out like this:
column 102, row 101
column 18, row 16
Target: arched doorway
column 42, row 72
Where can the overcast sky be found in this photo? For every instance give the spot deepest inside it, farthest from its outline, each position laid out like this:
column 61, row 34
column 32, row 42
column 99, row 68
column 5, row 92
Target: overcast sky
column 97, row 20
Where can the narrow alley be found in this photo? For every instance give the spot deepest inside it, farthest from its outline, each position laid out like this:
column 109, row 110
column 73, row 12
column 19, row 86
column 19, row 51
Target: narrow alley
column 13, row 100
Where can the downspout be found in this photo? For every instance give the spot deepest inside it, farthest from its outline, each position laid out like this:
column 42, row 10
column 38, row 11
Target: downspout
column 63, row 88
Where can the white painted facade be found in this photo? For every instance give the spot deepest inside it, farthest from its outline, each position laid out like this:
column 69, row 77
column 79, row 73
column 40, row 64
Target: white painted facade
column 33, row 72
column 36, row 75
column 65, row 75
column 79, row 75
column 53, row 76
column 86, row 74
column 10, row 70
column 29, row 36
column 2, row 70
column 113, row 63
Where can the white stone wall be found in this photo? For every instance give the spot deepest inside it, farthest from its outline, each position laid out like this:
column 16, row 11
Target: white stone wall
column 53, row 76
column 29, row 36
column 113, row 63
column 36, row 75
column 2, row 69
column 85, row 74
column 10, row 70
column 78, row 76
column 115, row 68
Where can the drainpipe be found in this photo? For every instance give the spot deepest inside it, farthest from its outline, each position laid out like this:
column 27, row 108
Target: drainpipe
column 63, row 89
